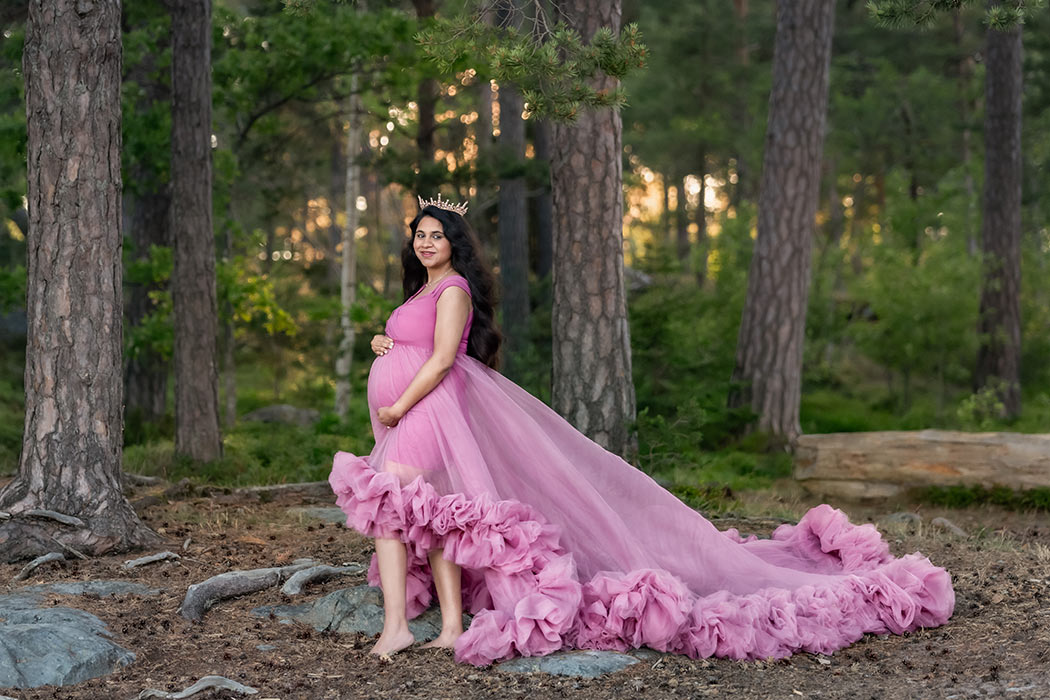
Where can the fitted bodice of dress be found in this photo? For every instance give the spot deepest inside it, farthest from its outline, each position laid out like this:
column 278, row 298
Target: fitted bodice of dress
column 413, row 322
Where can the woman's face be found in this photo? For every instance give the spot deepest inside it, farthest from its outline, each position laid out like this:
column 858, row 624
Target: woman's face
column 430, row 244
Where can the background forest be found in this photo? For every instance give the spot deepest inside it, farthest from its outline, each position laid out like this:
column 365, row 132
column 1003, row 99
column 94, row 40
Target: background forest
column 891, row 338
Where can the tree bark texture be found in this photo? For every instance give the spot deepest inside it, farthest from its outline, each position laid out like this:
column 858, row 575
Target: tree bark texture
column 72, row 442
column 513, row 232
column 348, row 277
column 591, row 380
column 768, row 370
column 999, row 327
column 193, row 279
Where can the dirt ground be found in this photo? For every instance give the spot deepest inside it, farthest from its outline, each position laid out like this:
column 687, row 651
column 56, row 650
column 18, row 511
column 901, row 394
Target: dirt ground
column 996, row 645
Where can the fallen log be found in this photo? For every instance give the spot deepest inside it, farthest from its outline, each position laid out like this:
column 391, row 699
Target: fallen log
column 878, row 465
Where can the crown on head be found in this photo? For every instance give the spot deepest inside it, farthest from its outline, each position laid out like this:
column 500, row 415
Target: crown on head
column 460, row 209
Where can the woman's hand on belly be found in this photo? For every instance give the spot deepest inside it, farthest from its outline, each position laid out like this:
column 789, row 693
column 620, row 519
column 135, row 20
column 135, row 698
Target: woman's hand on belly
column 389, row 415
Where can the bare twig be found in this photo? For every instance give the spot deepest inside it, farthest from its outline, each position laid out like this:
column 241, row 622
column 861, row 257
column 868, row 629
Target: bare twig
column 28, row 569
column 152, row 558
column 205, row 683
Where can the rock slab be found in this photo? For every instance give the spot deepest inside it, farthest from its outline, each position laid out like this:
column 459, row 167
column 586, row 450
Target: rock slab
column 582, row 664
column 352, row 610
column 58, row 645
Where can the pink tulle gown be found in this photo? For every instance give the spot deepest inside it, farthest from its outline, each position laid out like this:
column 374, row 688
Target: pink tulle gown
column 565, row 545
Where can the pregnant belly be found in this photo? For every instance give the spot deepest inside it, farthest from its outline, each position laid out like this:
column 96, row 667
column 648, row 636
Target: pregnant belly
column 391, row 374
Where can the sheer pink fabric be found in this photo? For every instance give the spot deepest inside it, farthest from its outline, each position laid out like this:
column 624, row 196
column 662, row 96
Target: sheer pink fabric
column 564, row 544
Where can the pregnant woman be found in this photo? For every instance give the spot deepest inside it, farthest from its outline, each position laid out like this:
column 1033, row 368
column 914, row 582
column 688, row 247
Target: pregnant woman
column 478, row 491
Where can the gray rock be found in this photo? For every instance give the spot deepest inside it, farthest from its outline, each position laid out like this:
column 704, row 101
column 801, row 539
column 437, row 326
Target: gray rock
column 583, row 664
column 647, row 654
column 58, row 645
column 352, row 610
column 325, row 515
column 265, row 647
column 283, row 413
column 103, row 589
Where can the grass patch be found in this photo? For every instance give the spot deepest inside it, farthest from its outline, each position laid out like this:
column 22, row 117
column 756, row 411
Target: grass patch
column 255, row 454
column 967, row 496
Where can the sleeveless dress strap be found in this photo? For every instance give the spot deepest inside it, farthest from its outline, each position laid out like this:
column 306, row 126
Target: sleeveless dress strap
column 456, row 281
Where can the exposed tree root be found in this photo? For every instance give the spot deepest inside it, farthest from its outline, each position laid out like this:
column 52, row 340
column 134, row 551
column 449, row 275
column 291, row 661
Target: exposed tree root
column 201, row 596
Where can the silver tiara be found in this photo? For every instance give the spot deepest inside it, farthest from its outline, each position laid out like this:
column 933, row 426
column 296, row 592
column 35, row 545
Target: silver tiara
column 460, row 209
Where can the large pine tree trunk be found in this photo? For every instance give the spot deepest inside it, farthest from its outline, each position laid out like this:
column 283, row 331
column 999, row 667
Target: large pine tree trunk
column 591, row 382
column 513, row 234
column 999, row 328
column 768, row 368
column 71, row 449
column 193, row 279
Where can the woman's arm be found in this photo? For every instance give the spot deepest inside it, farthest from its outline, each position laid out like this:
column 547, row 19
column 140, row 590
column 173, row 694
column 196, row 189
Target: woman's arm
column 453, row 308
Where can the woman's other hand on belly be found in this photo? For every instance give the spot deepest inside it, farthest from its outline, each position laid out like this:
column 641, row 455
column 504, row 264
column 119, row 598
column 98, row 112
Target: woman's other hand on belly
column 381, row 344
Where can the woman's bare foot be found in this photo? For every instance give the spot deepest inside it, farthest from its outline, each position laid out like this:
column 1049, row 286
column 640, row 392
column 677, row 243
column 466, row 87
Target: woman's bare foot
column 446, row 640
column 390, row 643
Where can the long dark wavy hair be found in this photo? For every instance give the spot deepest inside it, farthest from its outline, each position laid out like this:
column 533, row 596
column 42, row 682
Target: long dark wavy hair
column 483, row 343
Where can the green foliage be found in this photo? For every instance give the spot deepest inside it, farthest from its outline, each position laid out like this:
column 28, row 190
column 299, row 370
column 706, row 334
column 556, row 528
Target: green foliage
column 924, row 13
column 552, row 73
column 154, row 333
column 12, row 288
column 981, row 410
column 254, row 453
column 12, row 124
column 12, row 414
column 146, row 97
column 251, row 297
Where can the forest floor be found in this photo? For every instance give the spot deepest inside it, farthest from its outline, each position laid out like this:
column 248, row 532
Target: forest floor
column 996, row 645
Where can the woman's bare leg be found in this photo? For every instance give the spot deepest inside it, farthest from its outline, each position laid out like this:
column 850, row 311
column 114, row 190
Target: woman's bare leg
column 450, row 596
column 393, row 570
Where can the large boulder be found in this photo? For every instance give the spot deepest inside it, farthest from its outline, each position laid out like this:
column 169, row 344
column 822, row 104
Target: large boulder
column 56, row 645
